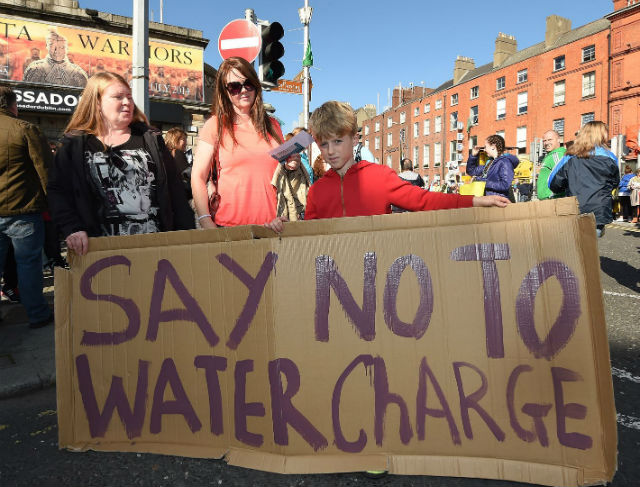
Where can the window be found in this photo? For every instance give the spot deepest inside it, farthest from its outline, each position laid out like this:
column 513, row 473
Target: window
column 500, row 83
column 501, row 109
column 587, row 117
column 389, row 161
column 389, row 122
column 453, row 153
column 366, row 143
column 426, row 129
column 475, row 92
column 473, row 141
column 416, row 156
column 389, row 139
column 377, row 143
column 521, row 138
column 453, row 121
column 438, row 104
column 366, row 130
column 588, row 53
column 558, row 93
column 473, row 115
column 416, row 111
column 558, row 126
column 437, row 154
column 589, row 84
column 438, row 124
column 377, row 127
column 454, row 99
column 416, row 129
column 523, row 76
column 500, row 133
column 403, row 117
column 427, row 108
column 522, row 103
column 425, row 156
column 558, row 63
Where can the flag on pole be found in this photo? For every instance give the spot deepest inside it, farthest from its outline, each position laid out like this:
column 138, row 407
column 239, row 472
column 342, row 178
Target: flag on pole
column 307, row 62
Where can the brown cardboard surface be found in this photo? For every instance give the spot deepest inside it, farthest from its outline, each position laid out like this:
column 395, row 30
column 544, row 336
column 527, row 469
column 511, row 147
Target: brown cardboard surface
column 349, row 344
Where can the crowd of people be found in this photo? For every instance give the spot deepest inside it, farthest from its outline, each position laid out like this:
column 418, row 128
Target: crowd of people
column 115, row 175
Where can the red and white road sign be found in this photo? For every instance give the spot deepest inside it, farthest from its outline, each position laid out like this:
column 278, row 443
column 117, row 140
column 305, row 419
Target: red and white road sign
column 240, row 38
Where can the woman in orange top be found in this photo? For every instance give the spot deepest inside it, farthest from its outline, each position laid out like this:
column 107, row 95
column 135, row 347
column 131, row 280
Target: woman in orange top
column 239, row 135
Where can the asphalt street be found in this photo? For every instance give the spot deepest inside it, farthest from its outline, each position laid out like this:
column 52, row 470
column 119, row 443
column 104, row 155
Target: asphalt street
column 29, row 455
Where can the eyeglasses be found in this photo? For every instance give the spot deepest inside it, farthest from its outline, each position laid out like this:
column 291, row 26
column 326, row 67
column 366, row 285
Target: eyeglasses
column 235, row 87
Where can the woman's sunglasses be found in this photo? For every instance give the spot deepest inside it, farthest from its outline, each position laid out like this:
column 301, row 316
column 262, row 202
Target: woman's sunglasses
column 235, row 87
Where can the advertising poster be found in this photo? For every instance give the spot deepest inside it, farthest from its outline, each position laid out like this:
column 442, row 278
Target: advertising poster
column 62, row 56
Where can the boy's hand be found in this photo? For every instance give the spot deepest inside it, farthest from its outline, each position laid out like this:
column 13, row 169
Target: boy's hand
column 277, row 224
column 293, row 162
column 493, row 200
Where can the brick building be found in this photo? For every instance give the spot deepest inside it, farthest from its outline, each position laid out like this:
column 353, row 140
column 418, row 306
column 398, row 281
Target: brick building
column 571, row 77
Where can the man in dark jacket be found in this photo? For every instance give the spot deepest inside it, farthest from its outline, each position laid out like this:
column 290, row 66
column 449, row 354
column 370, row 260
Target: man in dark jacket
column 24, row 156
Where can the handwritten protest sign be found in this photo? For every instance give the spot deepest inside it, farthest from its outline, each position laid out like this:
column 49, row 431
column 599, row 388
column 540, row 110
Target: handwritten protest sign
column 461, row 343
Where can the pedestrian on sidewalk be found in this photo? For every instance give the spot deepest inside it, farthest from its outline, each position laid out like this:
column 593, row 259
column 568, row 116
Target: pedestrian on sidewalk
column 634, row 186
column 551, row 142
column 624, row 194
column 24, row 157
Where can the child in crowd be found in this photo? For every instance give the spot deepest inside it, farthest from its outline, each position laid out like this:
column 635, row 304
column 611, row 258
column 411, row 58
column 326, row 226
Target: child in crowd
column 292, row 182
column 362, row 188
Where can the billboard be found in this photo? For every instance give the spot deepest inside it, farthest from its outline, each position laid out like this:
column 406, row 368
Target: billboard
column 63, row 56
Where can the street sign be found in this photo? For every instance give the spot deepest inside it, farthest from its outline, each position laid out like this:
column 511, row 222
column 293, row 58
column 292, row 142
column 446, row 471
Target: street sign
column 291, row 86
column 240, row 38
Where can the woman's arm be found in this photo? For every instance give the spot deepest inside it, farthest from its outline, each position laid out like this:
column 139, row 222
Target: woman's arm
column 202, row 161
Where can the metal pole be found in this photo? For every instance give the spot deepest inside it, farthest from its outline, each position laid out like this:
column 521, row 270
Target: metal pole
column 305, row 18
column 161, row 11
column 140, row 65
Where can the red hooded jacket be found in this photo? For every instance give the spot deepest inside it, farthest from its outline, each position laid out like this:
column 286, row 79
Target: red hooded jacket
column 370, row 189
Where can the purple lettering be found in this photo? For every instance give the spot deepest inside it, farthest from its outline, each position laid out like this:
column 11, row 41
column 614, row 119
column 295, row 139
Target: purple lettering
column 283, row 412
column 243, row 409
column 256, row 289
column 168, row 376
column 191, row 311
column 211, row 366
column 116, row 399
column 127, row 305
column 423, row 314
column 383, row 399
column 327, row 277
column 536, row 411
column 471, row 402
column 488, row 254
column 340, row 441
column 565, row 324
column 568, row 410
column 421, row 404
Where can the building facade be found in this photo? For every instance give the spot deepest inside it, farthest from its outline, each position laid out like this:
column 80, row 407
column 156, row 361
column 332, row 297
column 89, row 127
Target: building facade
column 572, row 77
column 48, row 50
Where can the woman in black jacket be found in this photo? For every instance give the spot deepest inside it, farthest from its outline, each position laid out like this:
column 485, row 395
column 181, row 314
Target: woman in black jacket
column 113, row 174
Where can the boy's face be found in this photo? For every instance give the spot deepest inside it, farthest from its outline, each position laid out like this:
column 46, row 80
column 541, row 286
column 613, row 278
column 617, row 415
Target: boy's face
column 338, row 152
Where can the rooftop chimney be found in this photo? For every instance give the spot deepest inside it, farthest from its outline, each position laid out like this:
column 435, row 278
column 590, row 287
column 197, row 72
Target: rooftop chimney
column 461, row 67
column 556, row 26
column 506, row 45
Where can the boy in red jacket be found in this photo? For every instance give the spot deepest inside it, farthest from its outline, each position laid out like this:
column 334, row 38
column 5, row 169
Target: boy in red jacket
column 363, row 188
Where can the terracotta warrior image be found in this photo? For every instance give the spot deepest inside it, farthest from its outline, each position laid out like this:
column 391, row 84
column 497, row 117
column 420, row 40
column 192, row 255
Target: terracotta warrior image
column 56, row 68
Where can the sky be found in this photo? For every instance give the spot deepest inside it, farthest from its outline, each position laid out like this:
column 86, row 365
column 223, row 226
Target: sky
column 362, row 49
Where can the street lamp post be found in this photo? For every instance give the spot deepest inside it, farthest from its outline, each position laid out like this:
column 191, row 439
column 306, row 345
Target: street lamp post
column 305, row 17
column 140, row 65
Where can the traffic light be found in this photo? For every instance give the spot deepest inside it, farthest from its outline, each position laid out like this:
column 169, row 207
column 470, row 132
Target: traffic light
column 271, row 68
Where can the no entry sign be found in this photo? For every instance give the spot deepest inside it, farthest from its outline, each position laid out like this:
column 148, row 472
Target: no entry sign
column 240, row 38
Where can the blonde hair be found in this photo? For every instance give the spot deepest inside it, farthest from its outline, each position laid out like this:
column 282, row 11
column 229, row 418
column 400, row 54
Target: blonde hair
column 333, row 119
column 87, row 117
column 172, row 138
column 222, row 107
column 590, row 136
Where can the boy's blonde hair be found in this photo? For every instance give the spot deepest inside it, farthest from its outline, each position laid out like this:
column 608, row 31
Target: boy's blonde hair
column 333, row 119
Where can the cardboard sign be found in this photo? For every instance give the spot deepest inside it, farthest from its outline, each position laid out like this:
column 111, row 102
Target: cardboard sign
column 458, row 343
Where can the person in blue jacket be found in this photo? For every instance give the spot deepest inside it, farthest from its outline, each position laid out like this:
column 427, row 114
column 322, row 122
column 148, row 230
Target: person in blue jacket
column 498, row 170
column 589, row 171
column 624, row 194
